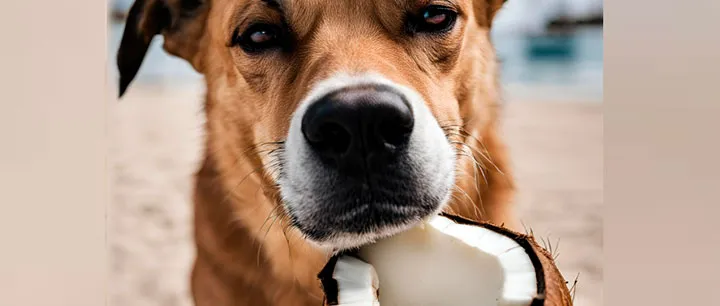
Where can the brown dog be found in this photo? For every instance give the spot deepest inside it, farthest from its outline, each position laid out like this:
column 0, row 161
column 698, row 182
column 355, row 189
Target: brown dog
column 330, row 123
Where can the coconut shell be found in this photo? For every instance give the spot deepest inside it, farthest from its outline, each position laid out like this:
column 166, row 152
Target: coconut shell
column 552, row 288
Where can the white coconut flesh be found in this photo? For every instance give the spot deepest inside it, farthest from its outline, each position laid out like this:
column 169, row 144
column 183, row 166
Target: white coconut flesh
column 439, row 262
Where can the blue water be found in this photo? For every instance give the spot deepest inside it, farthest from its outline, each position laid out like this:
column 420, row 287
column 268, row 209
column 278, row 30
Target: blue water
column 574, row 71
column 571, row 68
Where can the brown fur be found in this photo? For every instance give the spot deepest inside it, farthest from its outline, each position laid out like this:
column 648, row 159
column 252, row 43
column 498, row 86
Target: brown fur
column 247, row 254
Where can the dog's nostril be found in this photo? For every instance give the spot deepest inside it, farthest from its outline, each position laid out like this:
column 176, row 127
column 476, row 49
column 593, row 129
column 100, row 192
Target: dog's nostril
column 395, row 126
column 394, row 133
column 333, row 137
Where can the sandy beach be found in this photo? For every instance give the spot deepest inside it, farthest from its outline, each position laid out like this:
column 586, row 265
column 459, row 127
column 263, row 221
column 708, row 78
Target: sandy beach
column 156, row 132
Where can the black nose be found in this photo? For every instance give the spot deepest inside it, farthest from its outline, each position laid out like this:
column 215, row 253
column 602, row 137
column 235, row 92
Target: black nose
column 359, row 130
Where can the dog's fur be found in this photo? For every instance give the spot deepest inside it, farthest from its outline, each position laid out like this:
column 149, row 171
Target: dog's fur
column 248, row 250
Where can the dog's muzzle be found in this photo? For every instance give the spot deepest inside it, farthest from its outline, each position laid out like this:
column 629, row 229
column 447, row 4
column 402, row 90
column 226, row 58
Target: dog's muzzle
column 364, row 158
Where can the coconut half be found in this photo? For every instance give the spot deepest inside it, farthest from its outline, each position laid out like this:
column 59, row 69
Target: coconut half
column 446, row 260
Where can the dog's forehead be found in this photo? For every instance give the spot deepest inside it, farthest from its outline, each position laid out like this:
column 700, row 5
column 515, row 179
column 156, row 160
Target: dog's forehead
column 303, row 15
column 290, row 3
column 299, row 8
column 323, row 5
column 306, row 12
column 362, row 4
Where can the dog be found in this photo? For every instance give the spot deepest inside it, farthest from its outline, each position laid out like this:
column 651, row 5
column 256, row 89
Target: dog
column 330, row 124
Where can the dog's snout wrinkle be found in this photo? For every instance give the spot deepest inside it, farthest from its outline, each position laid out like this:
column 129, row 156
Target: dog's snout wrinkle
column 358, row 129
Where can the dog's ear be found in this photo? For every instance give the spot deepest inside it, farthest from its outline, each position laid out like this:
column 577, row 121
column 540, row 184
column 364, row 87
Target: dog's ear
column 180, row 22
column 485, row 11
column 493, row 7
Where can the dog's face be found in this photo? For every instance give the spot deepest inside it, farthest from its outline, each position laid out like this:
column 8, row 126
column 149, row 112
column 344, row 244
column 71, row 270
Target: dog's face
column 354, row 100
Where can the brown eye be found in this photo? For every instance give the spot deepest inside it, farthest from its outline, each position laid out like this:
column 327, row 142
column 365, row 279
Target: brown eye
column 259, row 37
column 433, row 19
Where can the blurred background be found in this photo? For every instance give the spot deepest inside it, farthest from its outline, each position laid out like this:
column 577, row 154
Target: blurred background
column 551, row 54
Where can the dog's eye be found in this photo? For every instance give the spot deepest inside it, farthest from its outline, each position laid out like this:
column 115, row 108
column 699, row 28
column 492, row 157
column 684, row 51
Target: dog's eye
column 259, row 37
column 434, row 19
column 262, row 36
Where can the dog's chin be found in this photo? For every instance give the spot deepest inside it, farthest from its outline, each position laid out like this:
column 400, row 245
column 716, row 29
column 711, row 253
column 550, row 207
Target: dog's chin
column 347, row 222
column 340, row 239
column 348, row 241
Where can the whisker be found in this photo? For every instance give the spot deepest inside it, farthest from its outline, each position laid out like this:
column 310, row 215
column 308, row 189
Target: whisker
column 459, row 131
column 478, row 167
column 256, row 170
column 270, row 214
column 472, row 202
column 262, row 241
column 482, row 144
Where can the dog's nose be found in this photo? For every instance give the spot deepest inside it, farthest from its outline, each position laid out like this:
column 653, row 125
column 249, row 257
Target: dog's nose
column 359, row 129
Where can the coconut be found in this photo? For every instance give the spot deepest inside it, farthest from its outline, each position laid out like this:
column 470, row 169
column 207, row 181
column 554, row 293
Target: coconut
column 446, row 260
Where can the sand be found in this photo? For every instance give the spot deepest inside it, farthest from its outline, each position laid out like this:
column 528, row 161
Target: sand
column 156, row 133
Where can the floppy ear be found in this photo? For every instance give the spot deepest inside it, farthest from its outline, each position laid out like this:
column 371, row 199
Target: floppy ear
column 181, row 22
column 485, row 11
